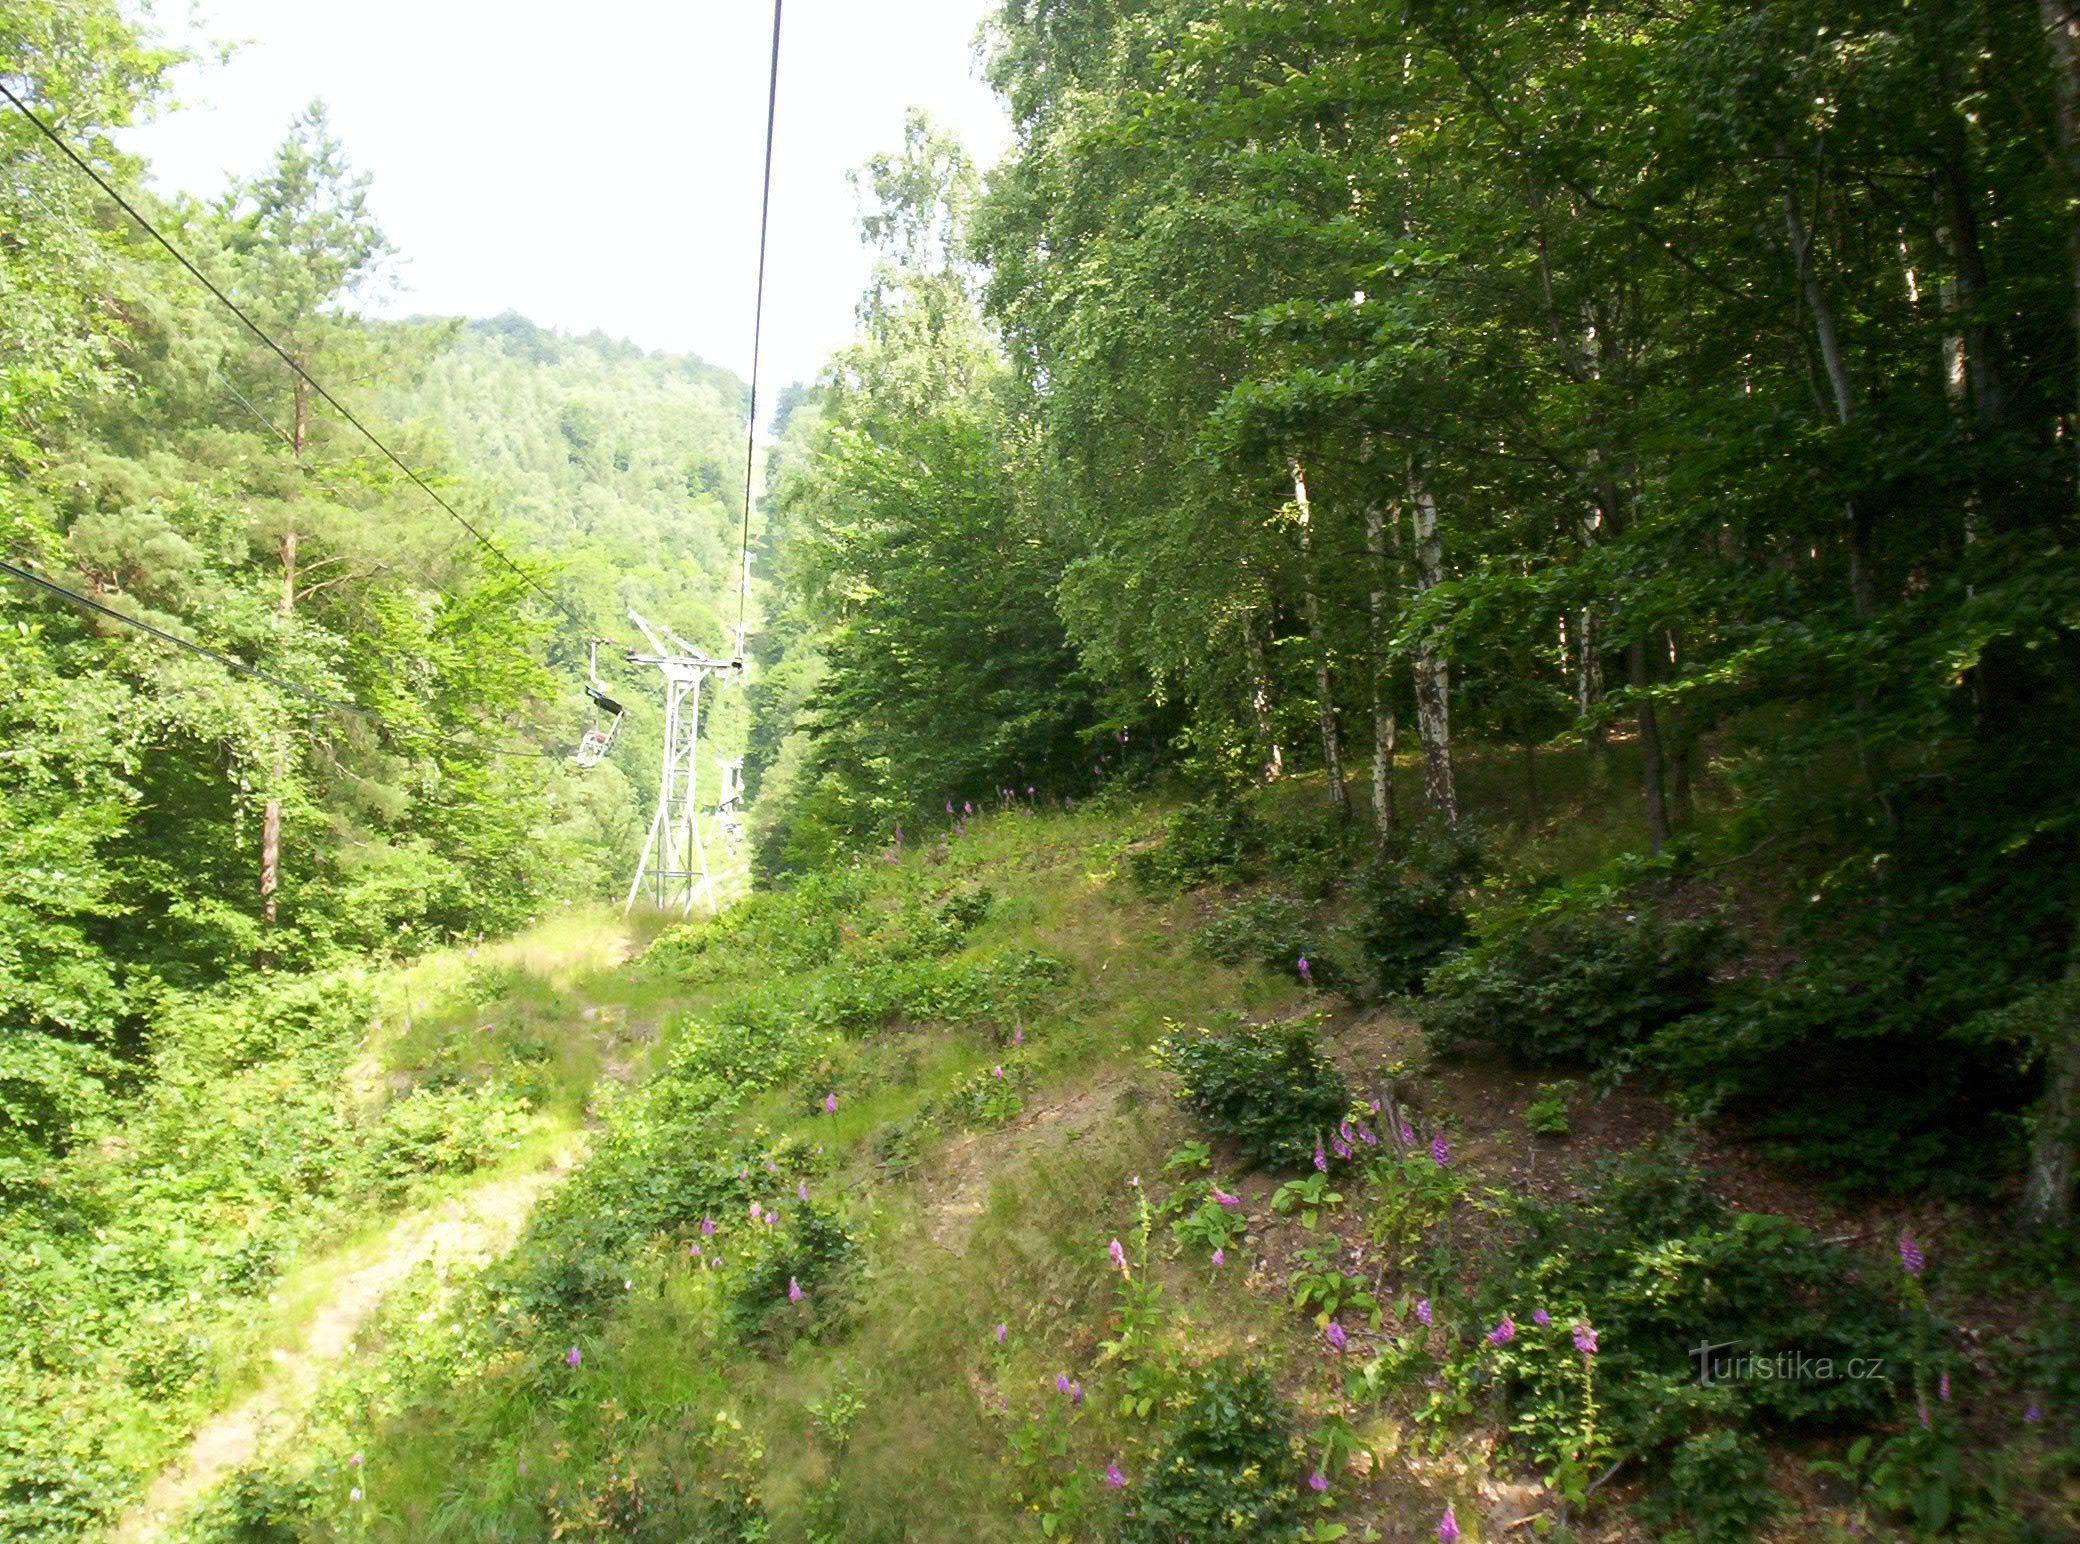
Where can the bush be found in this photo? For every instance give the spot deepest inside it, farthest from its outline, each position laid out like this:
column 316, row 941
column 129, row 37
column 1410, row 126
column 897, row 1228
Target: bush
column 1717, row 1491
column 1412, row 918
column 1229, row 1467
column 1573, row 987
column 1660, row 1268
column 1207, row 844
column 1267, row 1086
column 1272, row 931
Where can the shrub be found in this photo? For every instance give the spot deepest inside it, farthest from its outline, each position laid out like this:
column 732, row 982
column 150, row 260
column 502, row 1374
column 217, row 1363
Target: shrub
column 1412, row 915
column 1228, row 1467
column 809, row 1249
column 1272, row 931
column 1206, row 844
column 1660, row 1268
column 1267, row 1086
column 1573, row 987
column 1717, row 1491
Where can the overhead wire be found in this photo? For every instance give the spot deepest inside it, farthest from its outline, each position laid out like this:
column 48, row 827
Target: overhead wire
column 758, row 318
column 285, row 356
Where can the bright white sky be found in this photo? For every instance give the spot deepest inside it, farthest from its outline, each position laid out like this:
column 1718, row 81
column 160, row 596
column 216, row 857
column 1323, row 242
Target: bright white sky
column 593, row 165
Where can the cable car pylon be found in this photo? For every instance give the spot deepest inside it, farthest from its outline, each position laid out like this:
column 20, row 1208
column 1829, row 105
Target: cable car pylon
column 673, row 869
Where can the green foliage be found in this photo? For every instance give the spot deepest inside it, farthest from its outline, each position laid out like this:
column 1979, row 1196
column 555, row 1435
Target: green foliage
column 1413, row 901
column 1206, row 844
column 1265, row 1086
column 1717, row 1491
column 1573, row 987
column 1547, row 1114
column 1228, row 1466
column 1661, row 1270
column 1269, row 930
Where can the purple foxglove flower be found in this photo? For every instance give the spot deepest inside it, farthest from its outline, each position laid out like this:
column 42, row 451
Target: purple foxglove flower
column 1220, row 1257
column 1504, row 1332
column 830, row 1104
column 1000, row 1333
column 695, row 1249
column 949, row 806
column 573, row 1357
column 1943, row 1388
column 1335, row 1335
column 1318, row 1481
column 1910, row 1255
column 1321, row 1159
column 1075, row 1393
column 1540, row 1317
column 1448, row 1528
column 1341, row 1148
column 1018, row 1037
column 2034, row 1413
column 1343, row 1129
column 1114, row 1478
column 1306, row 972
column 801, row 1191
column 1373, row 1107
column 1365, row 1135
column 772, row 1218
column 996, row 1072
column 967, row 808
column 794, row 1290
column 1423, row 1316
column 1407, row 1134
column 1061, row 1382
column 707, row 1227
column 757, row 1211
column 1585, row 1339
column 1441, row 1151
column 1224, row 1198
column 1119, row 1255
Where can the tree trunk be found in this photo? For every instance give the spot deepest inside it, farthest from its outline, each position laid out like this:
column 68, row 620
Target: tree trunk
column 1325, row 701
column 271, row 818
column 1262, row 699
column 1384, row 728
column 2054, row 1154
column 1639, row 669
column 2061, row 21
column 1433, row 672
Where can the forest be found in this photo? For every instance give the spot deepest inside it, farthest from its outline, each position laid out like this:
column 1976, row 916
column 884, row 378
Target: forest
column 1411, row 726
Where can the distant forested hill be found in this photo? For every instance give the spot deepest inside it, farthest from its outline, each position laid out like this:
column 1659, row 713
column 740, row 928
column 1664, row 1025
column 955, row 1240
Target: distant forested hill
column 622, row 464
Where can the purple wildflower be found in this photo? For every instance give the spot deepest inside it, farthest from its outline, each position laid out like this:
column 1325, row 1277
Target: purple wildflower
column 1061, row 1382
column 967, row 808
column 573, row 1357
column 2034, row 1413
column 794, row 1290
column 1504, row 1332
column 801, row 1191
column 1540, row 1317
column 1119, row 1255
column 707, row 1227
column 1585, row 1339
column 1000, row 1333
column 1921, row 1409
column 1224, row 1198
column 1943, row 1388
column 1441, row 1150
column 1341, row 1148
column 1336, row 1336
column 1306, row 972
column 1220, row 1257
column 1318, row 1481
column 1075, row 1393
column 1321, row 1159
column 996, row 1072
column 772, row 1218
column 1365, row 1135
column 1373, row 1107
column 1447, row 1528
column 830, row 1104
column 355, row 1460
column 1910, row 1255
column 757, row 1211
column 1407, row 1135
column 1423, row 1316
column 1018, row 1037
column 1114, row 1478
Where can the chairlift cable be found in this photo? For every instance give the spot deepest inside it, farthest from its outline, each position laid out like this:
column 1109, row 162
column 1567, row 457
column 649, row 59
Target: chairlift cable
column 758, row 316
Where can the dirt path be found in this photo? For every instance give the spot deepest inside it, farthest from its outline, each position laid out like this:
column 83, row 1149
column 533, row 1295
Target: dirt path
column 481, row 1222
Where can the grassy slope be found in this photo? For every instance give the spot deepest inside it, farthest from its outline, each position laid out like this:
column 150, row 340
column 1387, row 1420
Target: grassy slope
column 883, row 1407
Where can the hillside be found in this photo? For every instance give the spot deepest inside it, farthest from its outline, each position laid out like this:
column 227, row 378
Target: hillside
column 839, row 1260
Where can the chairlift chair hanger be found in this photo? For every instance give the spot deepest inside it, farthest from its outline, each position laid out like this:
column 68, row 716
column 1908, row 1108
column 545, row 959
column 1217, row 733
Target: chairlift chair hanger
column 606, row 713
